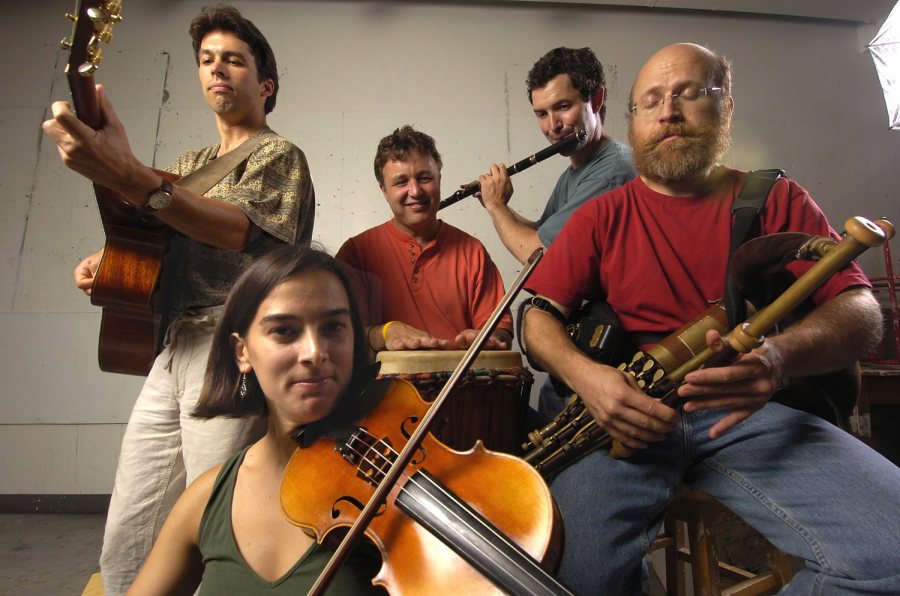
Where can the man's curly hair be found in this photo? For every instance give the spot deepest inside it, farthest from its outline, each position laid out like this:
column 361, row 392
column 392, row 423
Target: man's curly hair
column 580, row 64
column 401, row 142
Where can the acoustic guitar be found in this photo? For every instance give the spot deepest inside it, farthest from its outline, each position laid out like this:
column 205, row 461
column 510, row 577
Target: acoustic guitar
column 128, row 285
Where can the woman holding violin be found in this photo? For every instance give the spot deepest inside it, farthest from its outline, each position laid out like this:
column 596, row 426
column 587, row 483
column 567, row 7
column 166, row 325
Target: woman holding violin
column 290, row 347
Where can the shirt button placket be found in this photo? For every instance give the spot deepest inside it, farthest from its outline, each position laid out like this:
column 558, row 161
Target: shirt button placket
column 413, row 258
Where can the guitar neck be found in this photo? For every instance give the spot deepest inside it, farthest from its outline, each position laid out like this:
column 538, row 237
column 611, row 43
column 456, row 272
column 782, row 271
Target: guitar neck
column 93, row 22
column 84, row 99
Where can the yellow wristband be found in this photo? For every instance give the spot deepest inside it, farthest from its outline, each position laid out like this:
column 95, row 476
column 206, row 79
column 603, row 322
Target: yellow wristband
column 384, row 329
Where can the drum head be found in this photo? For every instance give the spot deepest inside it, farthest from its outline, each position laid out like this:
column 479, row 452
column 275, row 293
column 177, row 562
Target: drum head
column 418, row 361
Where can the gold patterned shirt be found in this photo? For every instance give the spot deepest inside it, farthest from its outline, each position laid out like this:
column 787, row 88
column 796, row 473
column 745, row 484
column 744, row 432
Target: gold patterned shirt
column 274, row 189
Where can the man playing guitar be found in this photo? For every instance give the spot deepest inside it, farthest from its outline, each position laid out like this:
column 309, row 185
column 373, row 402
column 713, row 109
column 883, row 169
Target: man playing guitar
column 264, row 202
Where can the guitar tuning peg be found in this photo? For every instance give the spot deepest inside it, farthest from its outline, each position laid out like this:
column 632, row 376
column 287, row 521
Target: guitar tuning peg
column 65, row 44
column 98, row 15
column 94, row 58
column 88, row 68
column 71, row 17
column 104, row 16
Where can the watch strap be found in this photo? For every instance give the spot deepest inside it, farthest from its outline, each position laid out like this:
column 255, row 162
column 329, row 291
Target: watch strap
column 164, row 187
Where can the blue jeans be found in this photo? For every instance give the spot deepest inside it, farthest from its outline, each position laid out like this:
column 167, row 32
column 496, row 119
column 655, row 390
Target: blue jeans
column 550, row 403
column 813, row 490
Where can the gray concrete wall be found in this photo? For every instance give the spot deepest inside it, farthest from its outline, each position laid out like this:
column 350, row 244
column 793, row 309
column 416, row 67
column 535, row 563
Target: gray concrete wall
column 806, row 93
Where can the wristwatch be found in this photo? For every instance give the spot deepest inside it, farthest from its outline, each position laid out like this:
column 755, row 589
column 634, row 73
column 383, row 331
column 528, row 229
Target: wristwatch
column 159, row 198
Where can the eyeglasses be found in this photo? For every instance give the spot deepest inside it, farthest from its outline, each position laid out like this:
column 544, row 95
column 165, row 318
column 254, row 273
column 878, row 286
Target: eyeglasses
column 650, row 107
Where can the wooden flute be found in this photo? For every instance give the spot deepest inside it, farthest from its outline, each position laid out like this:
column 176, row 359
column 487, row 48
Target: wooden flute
column 557, row 147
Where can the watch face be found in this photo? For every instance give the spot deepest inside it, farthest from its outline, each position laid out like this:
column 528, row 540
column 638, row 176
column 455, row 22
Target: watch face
column 161, row 198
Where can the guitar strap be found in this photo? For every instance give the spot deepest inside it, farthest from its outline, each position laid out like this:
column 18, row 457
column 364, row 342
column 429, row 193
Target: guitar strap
column 201, row 180
column 831, row 396
column 745, row 211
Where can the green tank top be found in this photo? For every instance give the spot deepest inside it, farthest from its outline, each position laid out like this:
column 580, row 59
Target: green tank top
column 226, row 572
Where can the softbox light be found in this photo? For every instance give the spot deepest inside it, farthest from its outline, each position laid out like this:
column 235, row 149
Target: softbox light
column 885, row 50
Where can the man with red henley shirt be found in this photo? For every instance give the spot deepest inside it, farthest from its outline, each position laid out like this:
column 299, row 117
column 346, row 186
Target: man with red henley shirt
column 424, row 283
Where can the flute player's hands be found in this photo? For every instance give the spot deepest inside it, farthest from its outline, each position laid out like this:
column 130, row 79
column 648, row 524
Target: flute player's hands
column 496, row 187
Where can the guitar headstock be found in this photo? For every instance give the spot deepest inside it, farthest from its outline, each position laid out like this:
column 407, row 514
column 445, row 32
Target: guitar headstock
column 92, row 24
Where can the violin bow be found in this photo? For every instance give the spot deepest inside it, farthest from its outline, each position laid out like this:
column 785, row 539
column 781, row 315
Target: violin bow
column 406, row 454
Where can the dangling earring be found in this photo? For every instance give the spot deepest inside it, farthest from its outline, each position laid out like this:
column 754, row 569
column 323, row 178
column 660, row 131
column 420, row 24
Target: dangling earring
column 242, row 390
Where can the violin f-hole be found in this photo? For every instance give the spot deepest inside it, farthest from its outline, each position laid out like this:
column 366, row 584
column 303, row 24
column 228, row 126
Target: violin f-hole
column 421, row 454
column 412, row 422
column 353, row 502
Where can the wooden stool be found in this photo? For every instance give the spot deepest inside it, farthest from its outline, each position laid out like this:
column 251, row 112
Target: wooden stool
column 697, row 514
column 94, row 586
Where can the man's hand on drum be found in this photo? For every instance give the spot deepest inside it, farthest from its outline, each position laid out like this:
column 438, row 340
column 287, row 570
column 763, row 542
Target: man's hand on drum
column 397, row 335
column 498, row 340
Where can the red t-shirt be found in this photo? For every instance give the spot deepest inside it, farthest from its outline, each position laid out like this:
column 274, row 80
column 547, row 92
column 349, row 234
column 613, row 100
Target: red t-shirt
column 449, row 285
column 660, row 260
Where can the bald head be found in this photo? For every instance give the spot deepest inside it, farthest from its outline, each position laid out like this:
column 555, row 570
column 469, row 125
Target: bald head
column 713, row 69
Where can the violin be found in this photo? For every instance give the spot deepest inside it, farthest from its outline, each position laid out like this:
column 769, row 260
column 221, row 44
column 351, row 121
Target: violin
column 479, row 521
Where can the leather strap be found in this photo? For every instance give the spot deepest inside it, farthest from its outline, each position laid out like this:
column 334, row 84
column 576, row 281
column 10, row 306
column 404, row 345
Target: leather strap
column 540, row 304
column 746, row 211
column 544, row 305
column 201, row 180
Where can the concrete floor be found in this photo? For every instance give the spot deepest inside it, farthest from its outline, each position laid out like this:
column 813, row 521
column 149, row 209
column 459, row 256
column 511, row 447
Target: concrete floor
column 48, row 554
column 56, row 554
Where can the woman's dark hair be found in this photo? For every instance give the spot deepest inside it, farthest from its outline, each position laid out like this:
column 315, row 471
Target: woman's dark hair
column 219, row 395
column 400, row 143
column 229, row 20
column 582, row 66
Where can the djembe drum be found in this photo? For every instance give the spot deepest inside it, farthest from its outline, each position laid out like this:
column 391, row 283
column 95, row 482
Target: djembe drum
column 489, row 403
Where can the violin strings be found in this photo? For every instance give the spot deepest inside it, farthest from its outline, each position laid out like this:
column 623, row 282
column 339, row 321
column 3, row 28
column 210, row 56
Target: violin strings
column 363, row 457
column 383, row 462
column 493, row 530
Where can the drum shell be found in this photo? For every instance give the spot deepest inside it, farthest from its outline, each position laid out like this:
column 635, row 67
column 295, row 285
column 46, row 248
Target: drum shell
column 490, row 402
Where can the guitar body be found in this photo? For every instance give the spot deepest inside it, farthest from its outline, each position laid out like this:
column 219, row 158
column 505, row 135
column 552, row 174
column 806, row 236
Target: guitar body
column 131, row 286
column 130, row 283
